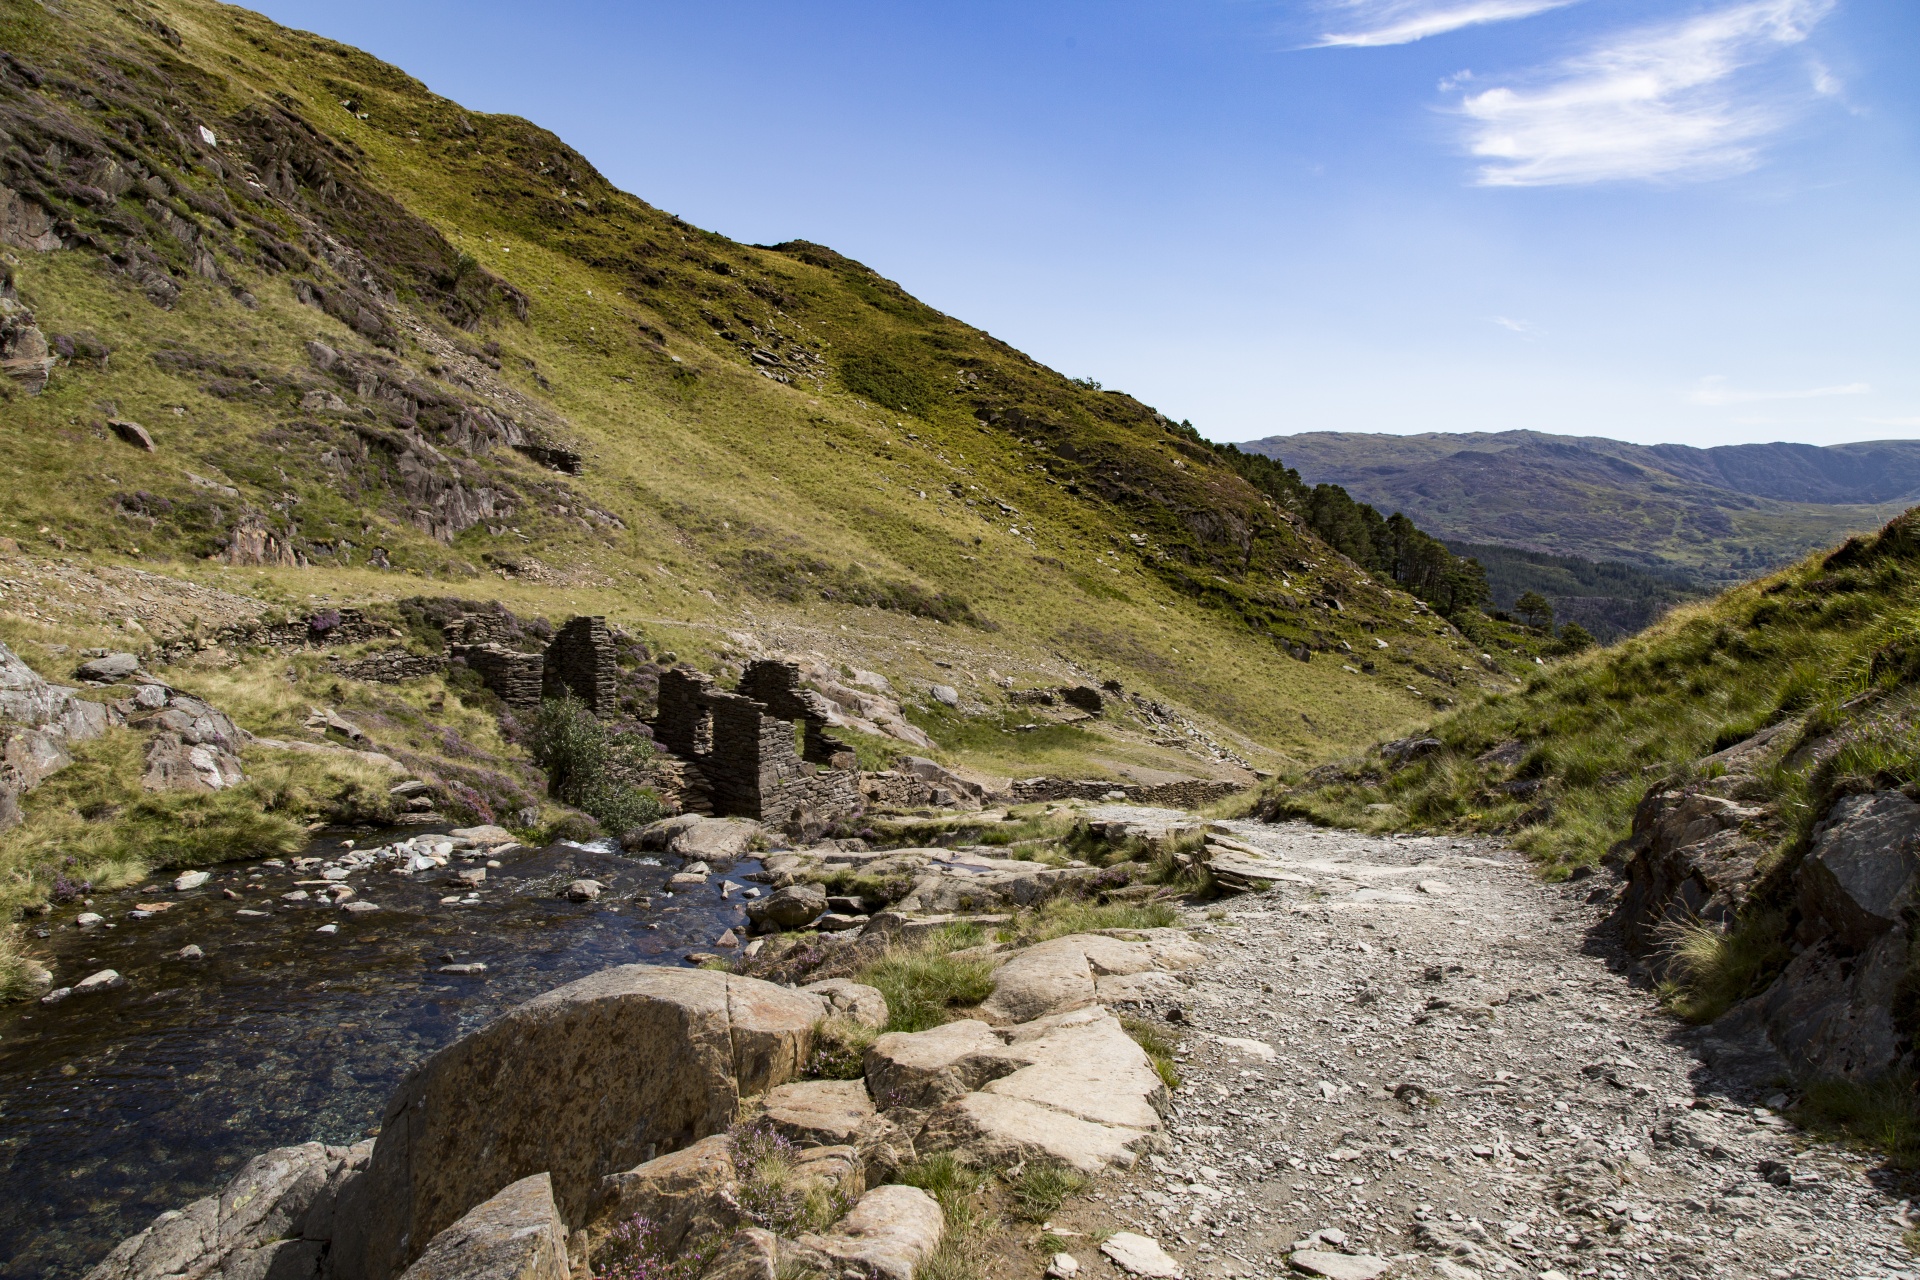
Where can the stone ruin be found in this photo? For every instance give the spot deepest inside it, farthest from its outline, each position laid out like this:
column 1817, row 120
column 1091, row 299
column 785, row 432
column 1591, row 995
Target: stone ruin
column 744, row 748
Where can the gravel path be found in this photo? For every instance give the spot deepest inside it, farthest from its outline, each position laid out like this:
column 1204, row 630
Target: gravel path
column 1425, row 1055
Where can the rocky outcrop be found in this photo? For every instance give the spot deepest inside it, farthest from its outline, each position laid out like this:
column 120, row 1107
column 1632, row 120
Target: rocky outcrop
column 1688, row 859
column 686, row 1194
column 274, row 1219
column 1837, row 1008
column 516, row 1234
column 594, row 1077
column 38, row 721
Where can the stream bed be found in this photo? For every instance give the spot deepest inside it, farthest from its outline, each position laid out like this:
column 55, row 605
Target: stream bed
column 117, row 1106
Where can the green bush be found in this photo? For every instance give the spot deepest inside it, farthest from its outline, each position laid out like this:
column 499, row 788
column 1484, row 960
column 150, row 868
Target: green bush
column 588, row 767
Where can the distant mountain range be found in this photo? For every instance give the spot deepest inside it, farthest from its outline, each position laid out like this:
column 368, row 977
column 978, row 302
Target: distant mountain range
column 1710, row 517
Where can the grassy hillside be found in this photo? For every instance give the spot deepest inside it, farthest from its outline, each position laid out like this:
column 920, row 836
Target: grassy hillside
column 1832, row 643
column 1715, row 516
column 531, row 385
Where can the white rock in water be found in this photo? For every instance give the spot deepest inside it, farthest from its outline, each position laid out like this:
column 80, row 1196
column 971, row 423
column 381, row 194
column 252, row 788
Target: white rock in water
column 190, row 880
column 1137, row 1255
column 328, row 928
column 56, row 995
column 190, row 952
column 105, row 980
column 88, row 919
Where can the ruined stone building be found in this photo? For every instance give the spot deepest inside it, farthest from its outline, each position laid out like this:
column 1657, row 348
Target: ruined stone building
column 744, row 745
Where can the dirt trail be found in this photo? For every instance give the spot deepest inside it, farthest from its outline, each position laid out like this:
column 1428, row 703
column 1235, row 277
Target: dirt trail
column 1420, row 1048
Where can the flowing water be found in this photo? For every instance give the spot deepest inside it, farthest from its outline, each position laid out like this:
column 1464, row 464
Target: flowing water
column 117, row 1106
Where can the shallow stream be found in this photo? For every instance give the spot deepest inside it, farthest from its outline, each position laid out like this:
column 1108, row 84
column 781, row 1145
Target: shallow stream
column 117, row 1106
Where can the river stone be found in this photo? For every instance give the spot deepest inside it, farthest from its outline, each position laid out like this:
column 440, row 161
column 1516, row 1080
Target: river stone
column 888, row 1235
column 1140, row 1256
column 692, row 836
column 853, row 1000
column 93, row 983
column 479, row 835
column 594, row 1077
column 683, row 1193
column 789, row 908
column 515, row 1235
column 922, row 1069
column 190, row 880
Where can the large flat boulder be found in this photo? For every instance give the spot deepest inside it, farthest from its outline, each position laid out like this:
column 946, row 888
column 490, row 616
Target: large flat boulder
column 694, row 837
column 1065, row 973
column 922, row 1069
column 275, row 1217
column 852, row 1000
column 597, row 1076
column 887, row 1235
column 819, row 1113
column 1085, row 1095
column 516, row 1234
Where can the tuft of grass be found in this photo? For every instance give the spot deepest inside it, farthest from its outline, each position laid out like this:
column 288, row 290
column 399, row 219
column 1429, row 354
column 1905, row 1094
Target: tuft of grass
column 1883, row 1114
column 1061, row 916
column 840, row 1049
column 955, row 1185
column 1713, row 969
column 1159, row 1047
column 923, row 983
column 1039, row 1188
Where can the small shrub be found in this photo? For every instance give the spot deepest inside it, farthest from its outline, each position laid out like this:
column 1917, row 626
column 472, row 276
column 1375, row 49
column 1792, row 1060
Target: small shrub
column 771, row 1194
column 588, row 767
column 1041, row 1187
column 1062, row 916
column 632, row 1251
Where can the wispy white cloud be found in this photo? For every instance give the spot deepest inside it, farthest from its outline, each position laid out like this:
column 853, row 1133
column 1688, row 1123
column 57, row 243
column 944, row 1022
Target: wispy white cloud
column 1523, row 327
column 1679, row 100
column 1383, row 22
column 1715, row 391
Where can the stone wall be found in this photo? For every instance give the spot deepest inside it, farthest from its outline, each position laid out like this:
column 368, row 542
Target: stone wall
column 515, row 677
column 580, row 660
column 1185, row 794
column 391, row 666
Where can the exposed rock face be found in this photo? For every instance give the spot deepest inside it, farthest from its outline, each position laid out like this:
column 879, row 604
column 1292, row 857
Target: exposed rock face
column 275, row 1218
column 1689, row 859
column 37, row 722
column 788, row 908
column 24, row 354
column 922, row 1069
column 594, row 1077
column 515, row 1235
column 1833, row 1011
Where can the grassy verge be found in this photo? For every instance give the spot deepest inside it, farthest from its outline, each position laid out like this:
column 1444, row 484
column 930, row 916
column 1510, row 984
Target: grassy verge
column 1884, row 1115
column 1560, row 766
column 1710, row 970
column 923, row 983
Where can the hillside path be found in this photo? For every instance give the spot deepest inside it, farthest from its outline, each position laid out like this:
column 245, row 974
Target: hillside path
column 1422, row 1052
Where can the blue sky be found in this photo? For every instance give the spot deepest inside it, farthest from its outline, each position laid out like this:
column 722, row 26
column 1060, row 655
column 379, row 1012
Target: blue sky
column 1692, row 220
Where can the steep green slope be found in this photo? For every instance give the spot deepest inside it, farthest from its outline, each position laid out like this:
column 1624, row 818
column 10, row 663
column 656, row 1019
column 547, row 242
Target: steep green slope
column 527, row 375
column 1716, row 516
column 1831, row 644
